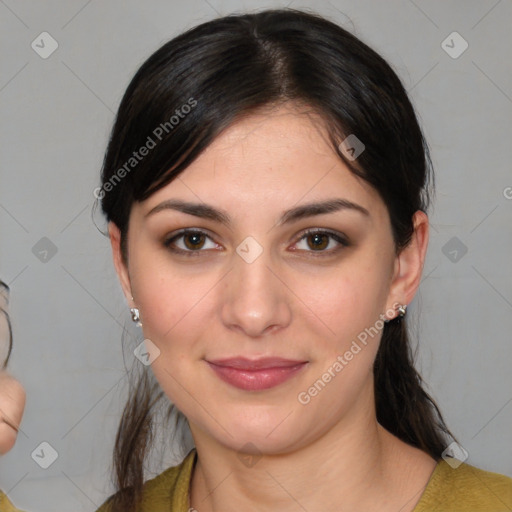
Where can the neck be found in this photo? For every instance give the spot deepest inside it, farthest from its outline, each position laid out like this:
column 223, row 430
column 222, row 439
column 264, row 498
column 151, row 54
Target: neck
column 356, row 465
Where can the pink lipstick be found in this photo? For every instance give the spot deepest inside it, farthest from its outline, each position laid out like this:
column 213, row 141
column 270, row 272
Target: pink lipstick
column 256, row 374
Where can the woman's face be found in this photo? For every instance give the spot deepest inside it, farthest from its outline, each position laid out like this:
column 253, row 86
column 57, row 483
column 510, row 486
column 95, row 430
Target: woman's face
column 262, row 273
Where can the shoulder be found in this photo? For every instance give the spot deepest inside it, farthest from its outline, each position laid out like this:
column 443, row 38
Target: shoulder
column 168, row 488
column 173, row 484
column 465, row 488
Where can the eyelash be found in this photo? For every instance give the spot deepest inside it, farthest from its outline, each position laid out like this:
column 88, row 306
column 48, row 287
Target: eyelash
column 343, row 242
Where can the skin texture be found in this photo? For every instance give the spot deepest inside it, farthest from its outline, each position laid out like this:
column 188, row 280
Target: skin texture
column 292, row 301
column 12, row 404
column 12, row 394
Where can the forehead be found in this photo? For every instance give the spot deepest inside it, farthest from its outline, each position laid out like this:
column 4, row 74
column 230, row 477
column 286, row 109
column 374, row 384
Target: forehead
column 270, row 159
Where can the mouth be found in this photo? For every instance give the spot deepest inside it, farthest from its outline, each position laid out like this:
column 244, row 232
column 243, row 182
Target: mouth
column 256, row 374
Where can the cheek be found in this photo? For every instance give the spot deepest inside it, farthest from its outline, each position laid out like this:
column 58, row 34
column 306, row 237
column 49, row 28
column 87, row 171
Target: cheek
column 345, row 303
column 174, row 306
column 348, row 310
column 174, row 312
column 170, row 305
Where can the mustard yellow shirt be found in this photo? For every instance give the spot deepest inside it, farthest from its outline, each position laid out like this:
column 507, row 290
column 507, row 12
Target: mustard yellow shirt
column 6, row 505
column 464, row 489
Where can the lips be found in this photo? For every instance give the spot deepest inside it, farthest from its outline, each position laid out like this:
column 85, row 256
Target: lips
column 256, row 374
column 242, row 363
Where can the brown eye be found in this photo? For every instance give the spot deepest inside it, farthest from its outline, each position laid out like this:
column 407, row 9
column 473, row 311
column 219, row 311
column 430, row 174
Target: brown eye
column 190, row 242
column 321, row 242
column 194, row 240
column 318, row 241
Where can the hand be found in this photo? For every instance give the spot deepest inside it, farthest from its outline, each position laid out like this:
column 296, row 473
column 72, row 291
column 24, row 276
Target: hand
column 12, row 404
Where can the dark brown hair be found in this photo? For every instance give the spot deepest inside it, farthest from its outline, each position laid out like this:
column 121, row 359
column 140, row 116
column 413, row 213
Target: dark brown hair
column 228, row 68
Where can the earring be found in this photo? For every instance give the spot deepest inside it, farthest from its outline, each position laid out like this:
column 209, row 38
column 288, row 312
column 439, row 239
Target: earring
column 135, row 316
column 402, row 310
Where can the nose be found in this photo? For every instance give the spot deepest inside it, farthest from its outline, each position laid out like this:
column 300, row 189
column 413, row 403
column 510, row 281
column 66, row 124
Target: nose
column 255, row 302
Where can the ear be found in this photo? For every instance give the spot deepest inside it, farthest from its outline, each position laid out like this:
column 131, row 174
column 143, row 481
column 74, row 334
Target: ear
column 409, row 264
column 119, row 263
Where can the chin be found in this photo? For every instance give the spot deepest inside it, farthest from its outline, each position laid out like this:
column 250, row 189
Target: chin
column 273, row 434
column 258, row 444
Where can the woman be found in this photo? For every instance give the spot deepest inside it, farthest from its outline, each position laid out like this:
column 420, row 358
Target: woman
column 12, row 394
column 266, row 186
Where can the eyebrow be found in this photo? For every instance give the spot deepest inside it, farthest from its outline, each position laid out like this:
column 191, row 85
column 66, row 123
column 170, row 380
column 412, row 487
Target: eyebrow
column 205, row 211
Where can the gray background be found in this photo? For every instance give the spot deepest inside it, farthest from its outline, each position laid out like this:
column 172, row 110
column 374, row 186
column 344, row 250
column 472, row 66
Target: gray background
column 67, row 308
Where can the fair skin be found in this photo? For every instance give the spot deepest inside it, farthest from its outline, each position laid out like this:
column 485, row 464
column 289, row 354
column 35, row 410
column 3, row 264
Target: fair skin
column 12, row 404
column 12, row 394
column 296, row 300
